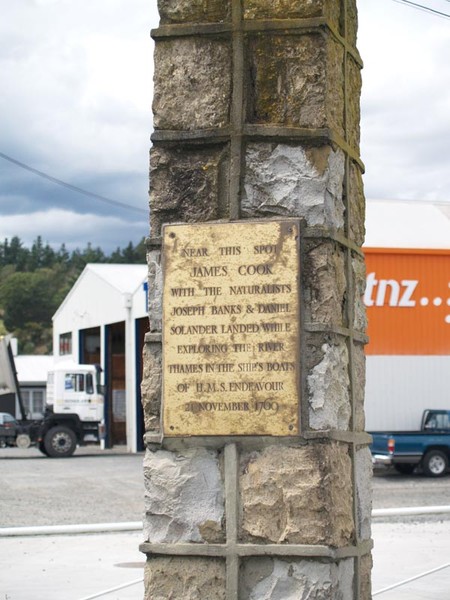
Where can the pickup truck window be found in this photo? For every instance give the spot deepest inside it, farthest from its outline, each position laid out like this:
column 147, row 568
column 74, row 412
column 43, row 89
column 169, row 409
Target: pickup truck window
column 437, row 421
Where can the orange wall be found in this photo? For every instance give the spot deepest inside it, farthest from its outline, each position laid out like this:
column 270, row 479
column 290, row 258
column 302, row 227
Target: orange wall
column 408, row 301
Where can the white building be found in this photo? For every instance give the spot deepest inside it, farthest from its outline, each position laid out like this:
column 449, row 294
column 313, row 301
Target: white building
column 408, row 305
column 103, row 320
column 32, row 376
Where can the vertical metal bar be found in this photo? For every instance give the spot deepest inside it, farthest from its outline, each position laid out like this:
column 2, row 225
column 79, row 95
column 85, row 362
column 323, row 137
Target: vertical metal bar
column 237, row 111
column 350, row 305
column 232, row 512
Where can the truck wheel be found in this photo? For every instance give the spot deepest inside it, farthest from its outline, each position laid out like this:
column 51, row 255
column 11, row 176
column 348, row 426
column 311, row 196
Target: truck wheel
column 435, row 463
column 42, row 449
column 404, row 468
column 60, row 442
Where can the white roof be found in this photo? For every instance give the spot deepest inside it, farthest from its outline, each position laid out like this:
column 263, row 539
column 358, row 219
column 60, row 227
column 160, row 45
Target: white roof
column 407, row 224
column 32, row 369
column 125, row 278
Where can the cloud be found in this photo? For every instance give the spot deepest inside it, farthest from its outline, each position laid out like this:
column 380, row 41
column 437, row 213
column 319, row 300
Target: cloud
column 406, row 93
column 73, row 229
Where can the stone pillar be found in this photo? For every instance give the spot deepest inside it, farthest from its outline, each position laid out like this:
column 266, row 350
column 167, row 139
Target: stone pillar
column 256, row 114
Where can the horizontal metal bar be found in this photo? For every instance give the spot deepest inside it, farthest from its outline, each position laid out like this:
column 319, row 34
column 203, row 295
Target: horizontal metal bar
column 405, row 511
column 70, row 529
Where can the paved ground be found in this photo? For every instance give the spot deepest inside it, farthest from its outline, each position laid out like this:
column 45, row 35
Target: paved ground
column 93, row 487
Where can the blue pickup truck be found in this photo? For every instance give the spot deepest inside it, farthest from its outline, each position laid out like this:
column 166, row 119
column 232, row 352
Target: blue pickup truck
column 428, row 448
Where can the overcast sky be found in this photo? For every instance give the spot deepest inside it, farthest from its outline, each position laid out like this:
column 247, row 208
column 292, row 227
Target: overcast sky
column 75, row 103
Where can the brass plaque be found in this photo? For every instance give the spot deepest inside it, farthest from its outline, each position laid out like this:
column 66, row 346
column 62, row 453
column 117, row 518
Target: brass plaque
column 231, row 329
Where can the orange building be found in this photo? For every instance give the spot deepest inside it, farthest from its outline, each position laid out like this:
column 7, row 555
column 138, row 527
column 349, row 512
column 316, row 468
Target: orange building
column 408, row 307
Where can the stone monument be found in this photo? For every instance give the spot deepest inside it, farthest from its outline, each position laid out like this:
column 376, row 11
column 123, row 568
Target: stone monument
column 257, row 467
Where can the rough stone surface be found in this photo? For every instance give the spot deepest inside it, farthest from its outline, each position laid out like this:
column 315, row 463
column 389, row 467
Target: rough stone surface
column 201, row 68
column 353, row 109
column 294, row 81
column 288, row 180
column 363, row 468
column 151, row 386
column 357, row 229
column 286, row 493
column 328, row 390
column 155, row 287
column 275, row 579
column 184, row 579
column 184, row 497
column 365, row 576
column 188, row 185
column 324, row 282
column 286, row 9
column 195, row 11
column 359, row 375
column 359, row 278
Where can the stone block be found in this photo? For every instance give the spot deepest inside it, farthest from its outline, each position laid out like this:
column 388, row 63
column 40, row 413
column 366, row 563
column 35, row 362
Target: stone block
column 365, row 577
column 192, row 83
column 287, row 9
column 357, row 203
column 155, row 288
column 289, row 180
column 151, row 386
column 184, row 496
column 359, row 281
column 187, row 578
column 296, row 81
column 194, row 11
column 275, row 579
column 359, row 382
column 328, row 389
column 188, row 185
column 286, row 494
column 324, row 282
column 353, row 108
column 363, row 470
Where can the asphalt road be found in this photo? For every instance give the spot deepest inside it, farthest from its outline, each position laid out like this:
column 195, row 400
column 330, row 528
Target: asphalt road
column 92, row 486
column 392, row 490
column 96, row 486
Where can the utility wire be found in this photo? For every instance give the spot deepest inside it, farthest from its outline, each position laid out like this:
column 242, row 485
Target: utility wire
column 69, row 186
column 425, row 8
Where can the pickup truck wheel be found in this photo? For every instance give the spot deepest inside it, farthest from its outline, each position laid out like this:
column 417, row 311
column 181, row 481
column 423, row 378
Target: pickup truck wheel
column 435, row 463
column 60, row 442
column 404, row 468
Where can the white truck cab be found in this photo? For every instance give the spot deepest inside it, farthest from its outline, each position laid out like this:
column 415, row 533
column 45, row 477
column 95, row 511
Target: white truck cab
column 73, row 388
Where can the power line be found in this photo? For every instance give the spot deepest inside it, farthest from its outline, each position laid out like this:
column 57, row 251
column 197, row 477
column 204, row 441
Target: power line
column 69, row 186
column 424, row 8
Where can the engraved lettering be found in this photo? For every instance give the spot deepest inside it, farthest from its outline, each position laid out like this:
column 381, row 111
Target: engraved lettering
column 256, row 386
column 270, row 347
column 271, row 327
column 272, row 308
column 214, row 271
column 262, row 269
column 182, row 292
column 240, row 328
column 193, row 329
column 230, row 250
column 265, row 249
column 187, row 311
column 213, row 291
column 219, row 368
column 226, row 309
column 193, row 252
column 270, row 288
column 202, row 349
column 193, row 368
